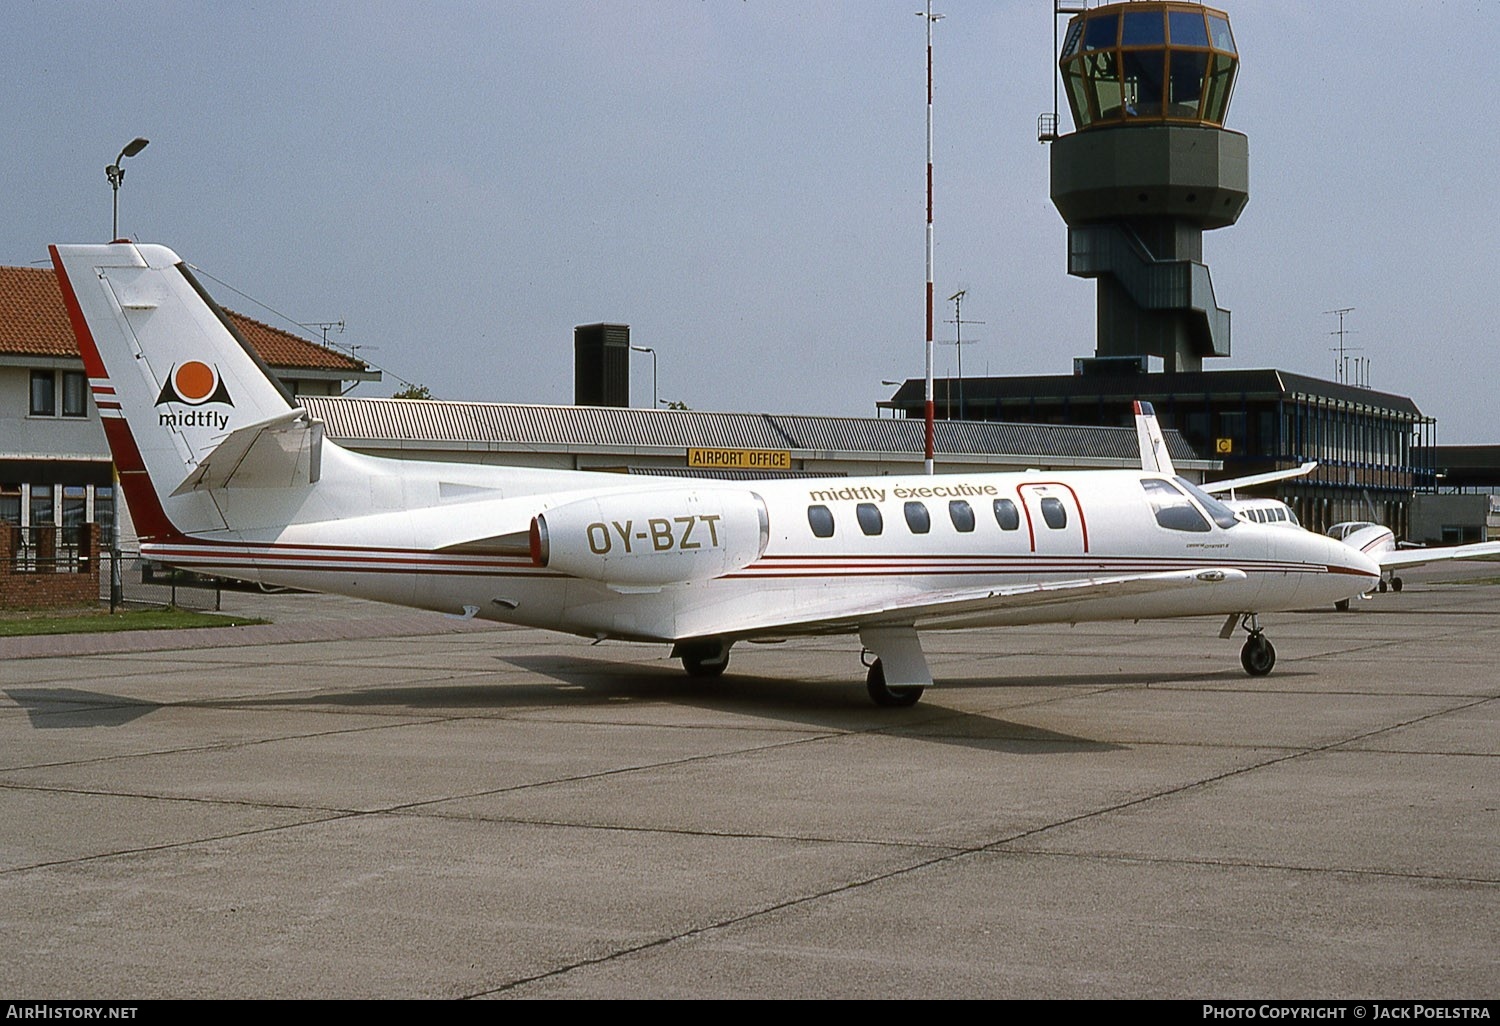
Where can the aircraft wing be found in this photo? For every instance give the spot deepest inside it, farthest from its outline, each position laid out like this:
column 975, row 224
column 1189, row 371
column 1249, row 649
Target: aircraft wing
column 1216, row 487
column 935, row 609
column 1401, row 558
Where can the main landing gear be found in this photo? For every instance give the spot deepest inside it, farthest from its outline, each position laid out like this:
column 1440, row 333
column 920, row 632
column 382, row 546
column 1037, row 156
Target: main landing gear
column 882, row 694
column 898, row 673
column 1258, row 655
column 1394, row 583
column 703, row 658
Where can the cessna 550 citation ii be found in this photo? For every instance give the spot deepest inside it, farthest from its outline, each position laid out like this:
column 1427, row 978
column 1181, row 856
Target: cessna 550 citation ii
column 225, row 474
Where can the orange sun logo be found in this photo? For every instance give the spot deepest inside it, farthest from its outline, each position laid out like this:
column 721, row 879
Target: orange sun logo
column 194, row 383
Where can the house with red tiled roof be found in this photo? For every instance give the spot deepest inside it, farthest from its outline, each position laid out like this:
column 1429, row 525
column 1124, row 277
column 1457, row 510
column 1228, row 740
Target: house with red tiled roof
column 55, row 468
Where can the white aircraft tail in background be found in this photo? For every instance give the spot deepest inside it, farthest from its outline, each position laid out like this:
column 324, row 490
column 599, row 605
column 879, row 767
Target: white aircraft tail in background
column 224, row 474
column 1373, row 540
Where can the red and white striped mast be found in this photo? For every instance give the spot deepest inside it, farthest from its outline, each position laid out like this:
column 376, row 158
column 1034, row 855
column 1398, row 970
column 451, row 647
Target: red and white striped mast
column 929, row 17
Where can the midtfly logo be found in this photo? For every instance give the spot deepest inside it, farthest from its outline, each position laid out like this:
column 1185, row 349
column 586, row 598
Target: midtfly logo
column 194, row 383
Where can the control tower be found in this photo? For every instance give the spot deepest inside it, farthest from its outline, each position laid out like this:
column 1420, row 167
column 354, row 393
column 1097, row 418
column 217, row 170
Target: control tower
column 1148, row 168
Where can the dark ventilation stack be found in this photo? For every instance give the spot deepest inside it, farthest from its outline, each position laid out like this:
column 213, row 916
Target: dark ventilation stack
column 1147, row 170
column 601, row 365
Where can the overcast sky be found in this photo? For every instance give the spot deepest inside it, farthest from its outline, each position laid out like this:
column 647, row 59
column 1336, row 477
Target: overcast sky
column 742, row 181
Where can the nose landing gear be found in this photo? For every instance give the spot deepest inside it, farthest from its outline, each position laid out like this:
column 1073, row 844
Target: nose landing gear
column 1258, row 655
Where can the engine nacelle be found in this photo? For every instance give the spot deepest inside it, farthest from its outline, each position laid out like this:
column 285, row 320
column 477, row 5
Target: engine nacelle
column 653, row 538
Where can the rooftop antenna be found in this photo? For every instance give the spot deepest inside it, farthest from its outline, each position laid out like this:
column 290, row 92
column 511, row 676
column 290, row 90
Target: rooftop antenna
column 1341, row 363
column 929, row 17
column 958, row 322
column 325, row 327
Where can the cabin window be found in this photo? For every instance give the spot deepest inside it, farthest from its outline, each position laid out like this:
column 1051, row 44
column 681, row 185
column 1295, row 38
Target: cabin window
column 820, row 519
column 1174, row 510
column 962, row 515
column 870, row 520
column 1055, row 513
column 1006, row 515
column 917, row 518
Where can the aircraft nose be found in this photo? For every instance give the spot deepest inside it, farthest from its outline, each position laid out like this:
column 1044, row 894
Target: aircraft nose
column 1353, row 565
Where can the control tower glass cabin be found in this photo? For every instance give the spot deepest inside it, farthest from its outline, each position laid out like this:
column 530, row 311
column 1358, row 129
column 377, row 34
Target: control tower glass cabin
column 1158, row 61
column 1149, row 168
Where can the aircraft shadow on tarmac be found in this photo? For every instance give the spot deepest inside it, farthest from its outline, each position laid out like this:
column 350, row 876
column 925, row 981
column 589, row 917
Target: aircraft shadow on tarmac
column 69, row 708
column 577, row 683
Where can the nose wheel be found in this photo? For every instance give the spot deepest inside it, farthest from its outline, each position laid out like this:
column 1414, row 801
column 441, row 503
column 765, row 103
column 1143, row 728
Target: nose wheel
column 1258, row 655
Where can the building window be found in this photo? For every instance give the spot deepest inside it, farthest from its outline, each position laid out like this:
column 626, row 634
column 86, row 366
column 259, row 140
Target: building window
column 870, row 520
column 10, row 504
column 43, row 510
column 43, row 393
column 104, row 513
column 75, row 394
column 75, row 500
column 962, row 515
column 1006, row 515
column 820, row 519
column 917, row 518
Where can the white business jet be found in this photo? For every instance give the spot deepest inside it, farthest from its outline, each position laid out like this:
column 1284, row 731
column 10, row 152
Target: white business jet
column 225, row 474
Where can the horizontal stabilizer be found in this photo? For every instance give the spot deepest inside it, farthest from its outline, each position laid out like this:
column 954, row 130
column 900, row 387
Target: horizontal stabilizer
column 283, row 451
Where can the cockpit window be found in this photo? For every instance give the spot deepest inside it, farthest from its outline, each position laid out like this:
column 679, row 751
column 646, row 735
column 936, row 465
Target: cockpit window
column 1221, row 514
column 1174, row 510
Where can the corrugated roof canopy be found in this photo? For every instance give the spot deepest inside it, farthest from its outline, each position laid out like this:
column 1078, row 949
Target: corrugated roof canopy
column 438, row 421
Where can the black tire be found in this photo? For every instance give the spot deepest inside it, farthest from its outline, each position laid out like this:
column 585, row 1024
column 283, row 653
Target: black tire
column 1383, row 586
column 705, row 661
column 889, row 697
column 1342, row 605
column 1396, row 583
column 1258, row 656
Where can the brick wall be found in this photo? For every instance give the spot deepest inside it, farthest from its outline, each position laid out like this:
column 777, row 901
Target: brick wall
column 48, row 583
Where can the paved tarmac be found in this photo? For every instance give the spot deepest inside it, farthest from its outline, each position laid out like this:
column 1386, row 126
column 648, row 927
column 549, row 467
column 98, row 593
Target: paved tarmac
column 363, row 802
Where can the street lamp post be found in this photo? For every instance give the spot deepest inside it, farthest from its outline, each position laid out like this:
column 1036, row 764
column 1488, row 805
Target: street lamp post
column 116, row 174
column 655, row 398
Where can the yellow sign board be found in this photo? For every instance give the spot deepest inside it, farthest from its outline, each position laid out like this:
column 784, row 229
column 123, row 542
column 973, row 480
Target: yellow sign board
column 1223, row 446
column 739, row 459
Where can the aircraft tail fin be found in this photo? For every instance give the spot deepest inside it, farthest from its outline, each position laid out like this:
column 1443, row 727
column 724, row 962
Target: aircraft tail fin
column 1154, row 458
column 171, row 376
